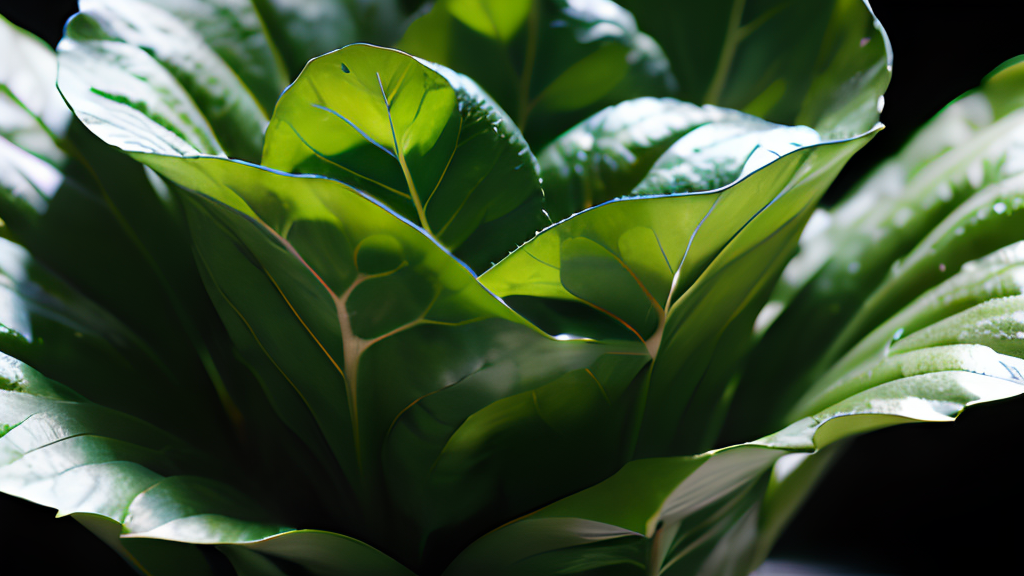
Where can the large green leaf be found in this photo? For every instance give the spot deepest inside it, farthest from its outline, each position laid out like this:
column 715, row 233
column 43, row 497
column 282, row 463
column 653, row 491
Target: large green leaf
column 131, row 256
column 238, row 32
column 132, row 483
column 820, row 63
column 427, row 142
column 129, row 253
column 700, row 514
column 549, row 63
column 974, row 142
column 122, row 47
column 656, row 265
column 313, row 551
column 286, row 285
column 324, row 295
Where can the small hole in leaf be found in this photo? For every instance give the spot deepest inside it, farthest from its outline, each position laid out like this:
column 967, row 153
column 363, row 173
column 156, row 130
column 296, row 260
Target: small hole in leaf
column 344, row 68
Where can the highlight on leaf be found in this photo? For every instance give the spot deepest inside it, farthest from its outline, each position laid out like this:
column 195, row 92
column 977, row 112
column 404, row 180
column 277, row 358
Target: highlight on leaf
column 506, row 299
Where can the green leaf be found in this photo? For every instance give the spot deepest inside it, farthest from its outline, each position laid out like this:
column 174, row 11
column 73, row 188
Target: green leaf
column 130, row 482
column 492, row 448
column 29, row 106
column 656, row 265
column 307, row 29
column 50, row 324
column 55, row 443
column 717, row 154
column 997, row 275
column 549, row 63
column 989, row 219
column 325, row 554
column 323, row 295
column 699, row 514
column 822, row 64
column 427, row 142
column 964, row 149
column 237, row 31
column 608, row 154
column 129, row 252
column 138, row 56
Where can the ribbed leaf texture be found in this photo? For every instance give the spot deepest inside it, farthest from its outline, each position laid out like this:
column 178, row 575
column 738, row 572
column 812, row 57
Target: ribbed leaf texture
column 503, row 300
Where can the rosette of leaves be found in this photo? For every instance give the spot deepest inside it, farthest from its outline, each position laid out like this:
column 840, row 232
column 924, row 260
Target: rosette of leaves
column 478, row 306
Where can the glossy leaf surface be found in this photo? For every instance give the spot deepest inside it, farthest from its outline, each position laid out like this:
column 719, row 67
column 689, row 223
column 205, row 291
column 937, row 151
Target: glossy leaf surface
column 656, row 266
column 689, row 514
column 139, row 475
column 822, row 64
column 238, row 31
column 608, row 154
column 130, row 257
column 428, row 143
column 141, row 57
column 549, row 63
column 289, row 287
column 974, row 142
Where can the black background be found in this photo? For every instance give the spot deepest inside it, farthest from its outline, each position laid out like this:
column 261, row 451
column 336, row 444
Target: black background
column 921, row 499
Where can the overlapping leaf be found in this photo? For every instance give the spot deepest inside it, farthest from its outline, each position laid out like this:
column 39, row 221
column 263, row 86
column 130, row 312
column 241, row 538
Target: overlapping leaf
column 323, row 304
column 130, row 255
column 657, row 266
column 971, row 144
column 427, row 142
column 125, row 478
column 608, row 154
column 435, row 411
column 50, row 324
column 326, row 361
column 549, row 63
column 822, row 64
column 701, row 514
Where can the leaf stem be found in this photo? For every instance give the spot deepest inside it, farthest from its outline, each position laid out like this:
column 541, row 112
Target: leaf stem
column 420, row 212
column 532, row 32
column 733, row 36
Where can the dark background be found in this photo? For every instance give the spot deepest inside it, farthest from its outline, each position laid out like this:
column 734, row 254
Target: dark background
column 920, row 499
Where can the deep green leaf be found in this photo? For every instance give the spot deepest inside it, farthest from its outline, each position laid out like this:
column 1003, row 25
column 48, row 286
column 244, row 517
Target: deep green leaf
column 287, row 285
column 130, row 482
column 64, row 452
column 698, row 514
column 237, row 32
column 326, row 554
column 137, row 55
column 972, row 143
column 51, row 325
column 307, row 29
column 822, row 64
column 633, row 259
column 129, row 253
column 549, row 63
column 427, row 142
column 608, row 154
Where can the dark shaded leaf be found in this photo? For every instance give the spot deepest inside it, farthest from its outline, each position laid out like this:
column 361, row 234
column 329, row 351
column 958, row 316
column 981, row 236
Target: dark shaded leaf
column 549, row 63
